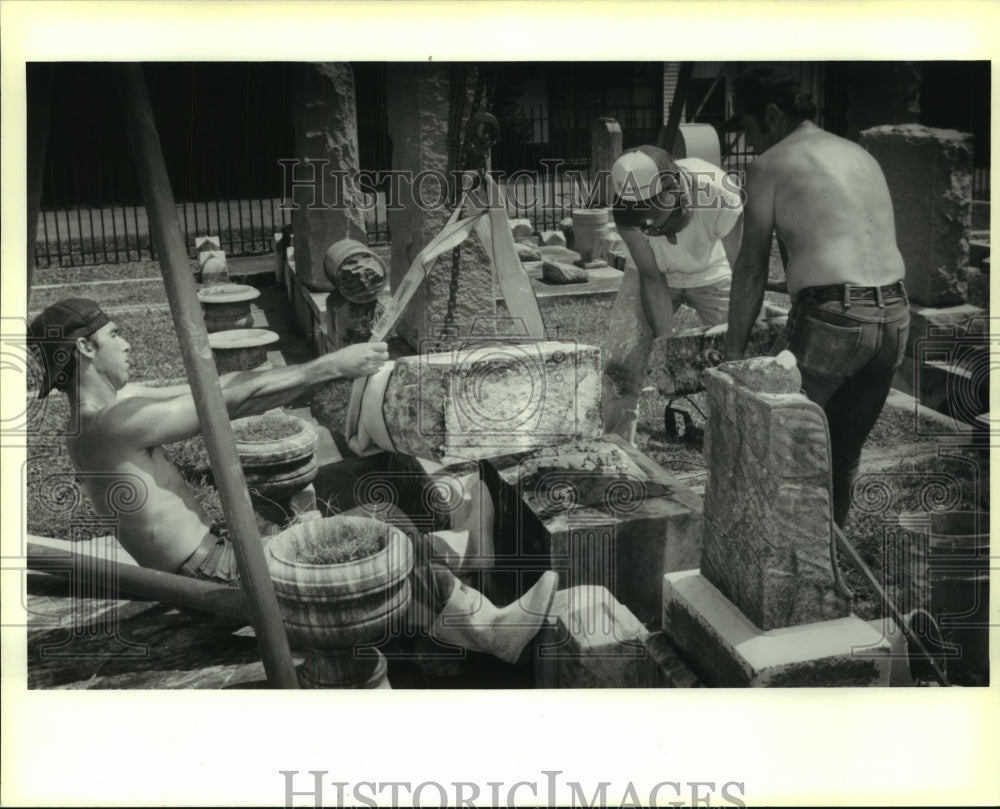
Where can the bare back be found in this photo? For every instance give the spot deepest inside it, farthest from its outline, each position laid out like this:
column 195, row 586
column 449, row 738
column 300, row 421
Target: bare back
column 832, row 210
column 160, row 523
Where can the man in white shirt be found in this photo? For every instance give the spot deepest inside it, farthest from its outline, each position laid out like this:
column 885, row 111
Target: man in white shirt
column 673, row 216
column 681, row 221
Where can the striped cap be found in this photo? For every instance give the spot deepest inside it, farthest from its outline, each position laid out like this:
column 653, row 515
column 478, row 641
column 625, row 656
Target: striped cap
column 642, row 173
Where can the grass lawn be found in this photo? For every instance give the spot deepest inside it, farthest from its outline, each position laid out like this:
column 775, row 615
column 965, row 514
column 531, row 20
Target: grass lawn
column 123, row 292
column 156, row 355
column 44, row 276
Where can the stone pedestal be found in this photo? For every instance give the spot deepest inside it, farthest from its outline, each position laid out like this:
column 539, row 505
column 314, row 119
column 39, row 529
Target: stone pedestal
column 597, row 512
column 929, row 173
column 242, row 349
column 418, row 101
column 727, row 650
column 326, row 131
column 592, row 641
column 348, row 322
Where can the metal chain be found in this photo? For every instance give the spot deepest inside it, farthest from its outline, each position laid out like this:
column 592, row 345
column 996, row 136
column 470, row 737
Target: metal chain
column 449, row 331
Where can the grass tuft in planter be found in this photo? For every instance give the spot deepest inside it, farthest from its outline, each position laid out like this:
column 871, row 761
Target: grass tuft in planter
column 265, row 428
column 349, row 545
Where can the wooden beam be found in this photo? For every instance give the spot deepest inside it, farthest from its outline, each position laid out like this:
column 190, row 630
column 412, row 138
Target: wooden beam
column 212, row 413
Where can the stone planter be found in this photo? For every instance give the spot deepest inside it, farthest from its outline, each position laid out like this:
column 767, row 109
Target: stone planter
column 277, row 468
column 241, row 349
column 227, row 306
column 333, row 609
column 589, row 225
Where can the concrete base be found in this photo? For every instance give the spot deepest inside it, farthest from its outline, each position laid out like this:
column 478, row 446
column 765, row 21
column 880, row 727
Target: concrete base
column 726, row 650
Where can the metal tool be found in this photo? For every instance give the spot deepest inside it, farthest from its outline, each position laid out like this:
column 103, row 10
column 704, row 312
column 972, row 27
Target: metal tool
column 904, row 623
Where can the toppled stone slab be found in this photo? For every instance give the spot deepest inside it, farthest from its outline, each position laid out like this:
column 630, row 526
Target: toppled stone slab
column 492, row 397
column 593, row 641
column 559, row 272
column 676, row 362
column 598, row 512
column 520, row 227
column 929, row 173
column 553, row 238
column 931, row 326
column 768, row 543
column 778, row 374
column 557, row 253
column 526, row 252
column 727, row 650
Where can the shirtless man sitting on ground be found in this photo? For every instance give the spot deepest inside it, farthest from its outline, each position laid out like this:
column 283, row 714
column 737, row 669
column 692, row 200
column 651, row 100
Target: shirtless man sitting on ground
column 828, row 202
column 119, row 432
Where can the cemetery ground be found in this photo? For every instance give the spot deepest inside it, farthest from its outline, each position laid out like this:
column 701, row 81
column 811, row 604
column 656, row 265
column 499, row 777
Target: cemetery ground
column 909, row 463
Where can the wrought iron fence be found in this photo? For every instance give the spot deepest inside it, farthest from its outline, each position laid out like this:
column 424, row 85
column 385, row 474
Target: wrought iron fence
column 92, row 212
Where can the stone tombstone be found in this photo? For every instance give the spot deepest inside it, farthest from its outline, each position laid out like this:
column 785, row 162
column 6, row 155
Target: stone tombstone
column 929, row 173
column 605, row 147
column 485, row 400
column 326, row 129
column 418, row 102
column 768, row 542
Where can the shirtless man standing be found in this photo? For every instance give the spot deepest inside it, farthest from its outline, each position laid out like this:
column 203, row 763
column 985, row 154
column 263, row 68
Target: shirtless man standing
column 828, row 202
column 121, row 428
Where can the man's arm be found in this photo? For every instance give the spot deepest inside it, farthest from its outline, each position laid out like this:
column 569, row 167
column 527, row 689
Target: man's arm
column 732, row 241
column 148, row 422
column 653, row 291
column 751, row 270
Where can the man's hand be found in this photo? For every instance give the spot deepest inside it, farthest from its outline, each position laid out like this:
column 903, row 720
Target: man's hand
column 360, row 359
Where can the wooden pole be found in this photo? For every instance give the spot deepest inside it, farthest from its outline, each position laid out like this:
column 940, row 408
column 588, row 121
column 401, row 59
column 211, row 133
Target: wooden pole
column 212, row 414
column 167, row 588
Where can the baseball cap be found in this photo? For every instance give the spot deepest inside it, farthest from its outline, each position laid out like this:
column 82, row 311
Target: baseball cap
column 52, row 332
column 642, row 173
column 758, row 86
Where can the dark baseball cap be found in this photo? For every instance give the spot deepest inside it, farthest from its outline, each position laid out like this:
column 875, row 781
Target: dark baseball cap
column 757, row 86
column 52, row 332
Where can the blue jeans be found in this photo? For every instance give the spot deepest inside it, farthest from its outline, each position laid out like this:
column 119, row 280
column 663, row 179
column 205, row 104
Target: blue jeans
column 848, row 351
